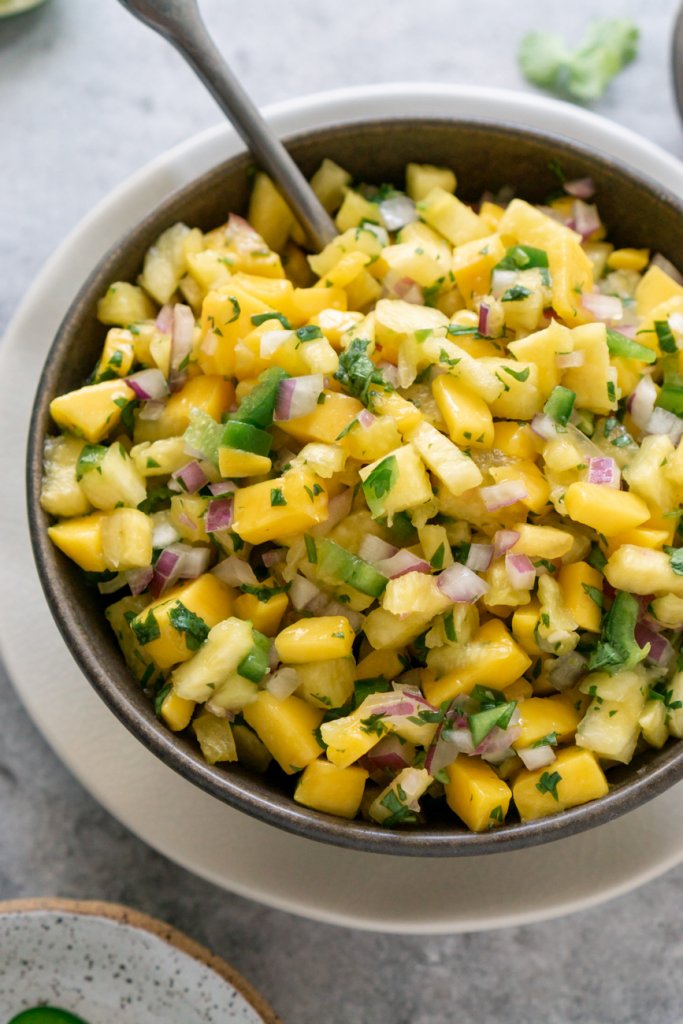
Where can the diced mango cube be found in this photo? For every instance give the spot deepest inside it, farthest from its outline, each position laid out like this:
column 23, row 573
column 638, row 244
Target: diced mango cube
column 316, row 639
column 577, row 580
column 286, row 727
column 326, row 422
column 326, row 787
column 492, row 658
column 604, row 508
column 476, row 794
column 265, row 615
column 574, row 777
column 542, row 716
column 176, row 711
column 81, row 540
column 93, row 411
column 279, row 508
column 212, row 394
column 468, row 417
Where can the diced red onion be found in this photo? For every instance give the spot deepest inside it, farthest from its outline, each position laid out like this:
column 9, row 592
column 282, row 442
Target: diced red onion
column 606, row 308
column 397, row 211
column 139, row 579
column 337, row 509
column 604, row 471
column 501, row 280
column 273, row 557
column 567, row 360
column 461, row 739
column 536, row 757
column 270, row 341
column 442, row 751
column 479, row 557
column 223, row 487
column 400, row 704
column 219, row 515
column 374, row 549
column 641, row 401
column 164, row 320
column 302, row 592
column 555, row 214
column 501, row 495
column 460, row 585
column 664, row 422
column 365, row 418
column 400, row 563
column 581, row 188
column 151, row 410
column 503, row 540
column 495, row 746
column 235, row 571
column 389, row 372
column 389, row 753
column 585, row 217
column 520, row 571
column 543, row 426
column 661, row 651
column 148, row 384
column 667, row 266
column 298, row 396
column 676, row 325
column 183, row 337
column 282, row 683
column 398, row 286
column 337, row 608
column 483, row 327
column 179, row 561
column 191, row 476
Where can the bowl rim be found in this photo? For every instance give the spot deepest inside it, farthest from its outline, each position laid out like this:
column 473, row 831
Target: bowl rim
column 293, row 817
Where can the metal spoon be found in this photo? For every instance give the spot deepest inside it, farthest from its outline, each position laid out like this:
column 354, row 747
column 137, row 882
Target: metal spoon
column 677, row 55
column 180, row 22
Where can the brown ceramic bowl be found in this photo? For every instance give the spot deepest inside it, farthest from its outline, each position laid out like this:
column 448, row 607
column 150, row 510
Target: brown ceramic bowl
column 638, row 213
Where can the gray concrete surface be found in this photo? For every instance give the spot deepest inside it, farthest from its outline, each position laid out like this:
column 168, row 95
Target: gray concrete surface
column 86, row 97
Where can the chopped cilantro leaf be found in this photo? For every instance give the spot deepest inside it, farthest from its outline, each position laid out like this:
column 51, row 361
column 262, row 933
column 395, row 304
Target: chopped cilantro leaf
column 146, row 631
column 373, row 724
column 357, row 371
column 618, row 648
column 516, row 293
column 520, row 375
column 548, row 784
column 310, row 548
column 277, row 497
column 89, row 459
column 309, row 333
column 261, row 318
column 193, row 626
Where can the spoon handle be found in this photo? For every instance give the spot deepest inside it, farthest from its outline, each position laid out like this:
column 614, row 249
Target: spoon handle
column 180, row 22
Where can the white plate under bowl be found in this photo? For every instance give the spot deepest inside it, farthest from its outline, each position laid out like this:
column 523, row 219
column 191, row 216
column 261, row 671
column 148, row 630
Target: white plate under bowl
column 232, row 850
column 111, row 965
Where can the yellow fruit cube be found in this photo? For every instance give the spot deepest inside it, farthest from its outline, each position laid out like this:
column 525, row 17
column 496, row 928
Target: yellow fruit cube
column 628, row 259
column 396, row 482
column 265, row 615
column 397, row 321
column 286, row 728
column 574, row 777
column 349, row 738
column 126, row 539
column 604, row 508
column 326, row 684
column 468, row 417
column 386, row 630
column 389, row 403
column 414, row 591
column 327, row 421
column 384, row 664
column 124, row 304
column 187, row 514
column 541, row 716
column 473, row 263
column 81, row 540
column 524, row 624
column 211, row 673
column 576, row 582
column 226, row 317
column 93, row 411
column 234, row 464
column 642, row 571
column 215, row 737
column 591, row 381
column 541, row 541
column 654, row 288
column 458, row 472
column 269, row 214
column 641, row 537
column 118, row 354
column 354, row 209
column 492, row 658
column 422, row 178
column 537, row 487
column 60, row 493
column 476, row 794
column 542, row 348
column 452, row 218
column 309, row 302
column 325, row 787
column 165, row 629
column 213, row 395
column 316, row 639
column 176, row 712
column 515, row 439
column 279, row 508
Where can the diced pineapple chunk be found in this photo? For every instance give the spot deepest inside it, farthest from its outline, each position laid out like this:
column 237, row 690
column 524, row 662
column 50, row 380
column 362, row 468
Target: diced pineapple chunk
column 414, row 591
column 326, row 787
column 398, row 803
column 450, row 217
column 422, row 178
column 542, row 348
column 328, row 683
column 215, row 737
column 126, row 539
column 202, row 677
column 118, row 355
column 396, row 482
column 113, row 480
column 468, row 417
column 322, row 638
column 652, row 721
column 642, row 571
column 141, row 666
column 491, row 658
column 286, row 727
column 655, row 287
column 458, row 472
column 605, row 509
column 350, row 737
column 159, row 458
column 60, row 494
column 590, row 381
column 476, row 794
column 574, row 777
column 541, row 541
column 269, row 214
column 385, row 630
column 124, row 304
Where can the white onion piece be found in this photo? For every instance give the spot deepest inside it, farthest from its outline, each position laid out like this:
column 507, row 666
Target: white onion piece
column 151, row 410
column 585, row 217
column 389, row 372
column 374, row 549
column 496, row 746
column 483, row 328
column 641, row 402
column 461, row 740
column 604, row 471
column 164, row 532
column 503, row 494
column 441, row 753
column 337, row 608
column 148, row 384
column 270, row 341
column 282, row 683
column 397, row 211
column 676, row 325
column 501, row 280
column 606, row 308
column 460, row 585
column 536, row 757
column 235, row 571
column 365, row 418
column 164, row 320
column 298, row 396
column 302, row 592
column 401, row 563
column 667, row 266
column 543, row 426
column 567, row 360
column 520, row 571
column 337, row 509
column 581, row 188
column 479, row 557
column 503, row 540
column 664, row 422
column 183, row 336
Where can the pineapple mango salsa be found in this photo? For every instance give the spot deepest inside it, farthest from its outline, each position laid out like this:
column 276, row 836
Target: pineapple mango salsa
column 399, row 518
